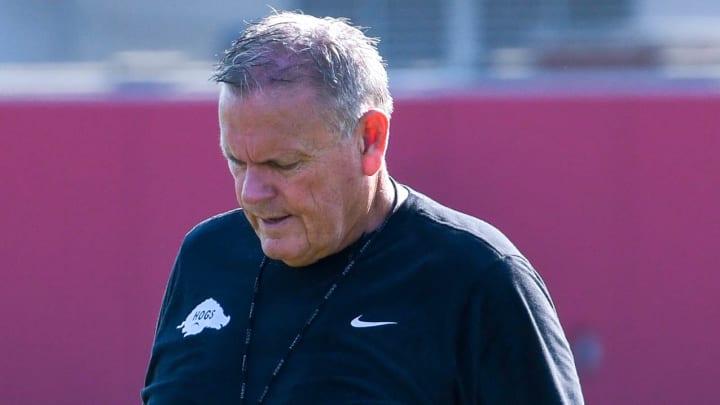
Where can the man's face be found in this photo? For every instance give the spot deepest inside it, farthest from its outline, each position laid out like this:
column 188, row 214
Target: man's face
column 300, row 184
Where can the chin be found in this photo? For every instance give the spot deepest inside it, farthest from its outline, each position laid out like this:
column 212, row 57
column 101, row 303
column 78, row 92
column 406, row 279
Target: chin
column 293, row 259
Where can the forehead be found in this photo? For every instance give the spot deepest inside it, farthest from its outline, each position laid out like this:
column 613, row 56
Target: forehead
column 268, row 101
column 277, row 116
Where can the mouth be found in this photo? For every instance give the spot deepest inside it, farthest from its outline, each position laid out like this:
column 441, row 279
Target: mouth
column 274, row 220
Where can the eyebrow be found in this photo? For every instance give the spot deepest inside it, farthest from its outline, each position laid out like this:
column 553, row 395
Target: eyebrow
column 229, row 156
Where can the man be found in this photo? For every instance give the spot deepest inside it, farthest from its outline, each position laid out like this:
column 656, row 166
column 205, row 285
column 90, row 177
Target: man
column 333, row 284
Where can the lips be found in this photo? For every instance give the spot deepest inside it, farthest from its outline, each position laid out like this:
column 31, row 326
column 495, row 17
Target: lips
column 274, row 220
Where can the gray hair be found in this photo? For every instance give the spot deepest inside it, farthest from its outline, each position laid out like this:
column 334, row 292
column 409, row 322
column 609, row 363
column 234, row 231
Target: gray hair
column 335, row 57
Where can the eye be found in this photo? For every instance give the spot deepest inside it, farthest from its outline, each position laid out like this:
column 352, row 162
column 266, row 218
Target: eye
column 286, row 166
column 237, row 163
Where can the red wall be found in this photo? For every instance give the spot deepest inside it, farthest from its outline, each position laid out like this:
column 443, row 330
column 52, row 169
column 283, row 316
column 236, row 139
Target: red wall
column 615, row 200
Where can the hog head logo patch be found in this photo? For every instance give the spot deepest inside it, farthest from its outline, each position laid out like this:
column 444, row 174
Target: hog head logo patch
column 209, row 314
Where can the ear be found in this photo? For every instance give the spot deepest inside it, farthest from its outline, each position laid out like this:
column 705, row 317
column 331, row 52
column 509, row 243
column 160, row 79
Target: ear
column 374, row 125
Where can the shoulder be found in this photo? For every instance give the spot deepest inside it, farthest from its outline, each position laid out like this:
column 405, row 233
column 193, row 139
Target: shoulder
column 461, row 249
column 219, row 223
column 463, row 236
column 219, row 232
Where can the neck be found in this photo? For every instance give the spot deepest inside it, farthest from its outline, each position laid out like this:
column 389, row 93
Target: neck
column 382, row 201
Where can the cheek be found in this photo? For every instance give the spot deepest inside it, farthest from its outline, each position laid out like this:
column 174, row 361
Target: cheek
column 310, row 201
column 325, row 205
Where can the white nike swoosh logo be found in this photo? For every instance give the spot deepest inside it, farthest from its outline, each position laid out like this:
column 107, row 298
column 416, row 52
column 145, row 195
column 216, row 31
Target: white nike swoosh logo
column 357, row 323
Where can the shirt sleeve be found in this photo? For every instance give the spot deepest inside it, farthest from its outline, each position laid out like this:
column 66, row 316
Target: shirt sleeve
column 161, row 323
column 521, row 355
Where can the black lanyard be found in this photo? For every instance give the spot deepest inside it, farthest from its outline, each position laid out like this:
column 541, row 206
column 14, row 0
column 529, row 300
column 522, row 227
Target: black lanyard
column 313, row 315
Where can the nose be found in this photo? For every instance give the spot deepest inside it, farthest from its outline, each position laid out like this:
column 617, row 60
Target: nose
column 256, row 186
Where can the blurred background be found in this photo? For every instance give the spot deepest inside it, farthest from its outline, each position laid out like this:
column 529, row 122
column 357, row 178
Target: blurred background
column 92, row 46
column 585, row 130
